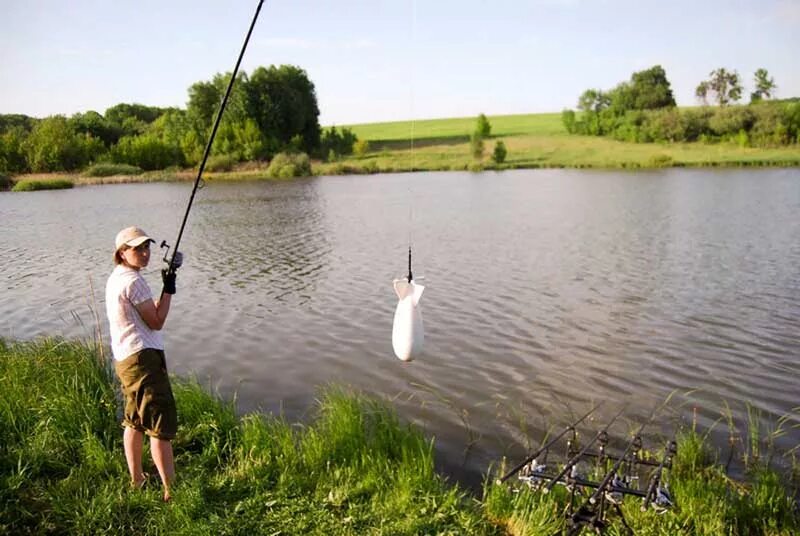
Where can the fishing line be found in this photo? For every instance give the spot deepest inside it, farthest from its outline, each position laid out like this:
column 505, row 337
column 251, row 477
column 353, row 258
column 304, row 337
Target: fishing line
column 413, row 153
column 408, row 332
column 207, row 151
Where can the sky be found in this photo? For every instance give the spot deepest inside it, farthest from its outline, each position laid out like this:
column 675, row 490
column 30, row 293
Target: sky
column 373, row 61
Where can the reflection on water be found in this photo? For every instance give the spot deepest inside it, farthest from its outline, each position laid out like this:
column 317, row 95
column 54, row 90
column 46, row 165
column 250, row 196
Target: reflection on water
column 546, row 291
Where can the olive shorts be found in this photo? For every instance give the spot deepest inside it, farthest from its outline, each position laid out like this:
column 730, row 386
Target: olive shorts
column 149, row 404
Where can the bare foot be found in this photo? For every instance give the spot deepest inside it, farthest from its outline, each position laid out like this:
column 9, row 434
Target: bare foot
column 139, row 482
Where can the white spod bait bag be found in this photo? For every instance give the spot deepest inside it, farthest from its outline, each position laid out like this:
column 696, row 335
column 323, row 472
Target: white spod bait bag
column 408, row 333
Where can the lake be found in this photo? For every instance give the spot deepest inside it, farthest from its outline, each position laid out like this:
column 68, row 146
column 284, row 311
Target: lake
column 547, row 291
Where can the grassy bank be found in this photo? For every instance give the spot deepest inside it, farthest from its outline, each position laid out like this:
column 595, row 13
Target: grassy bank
column 353, row 468
column 532, row 141
column 539, row 141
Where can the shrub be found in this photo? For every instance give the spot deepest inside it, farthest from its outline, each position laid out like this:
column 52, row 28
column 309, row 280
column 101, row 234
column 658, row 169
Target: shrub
column 341, row 143
column 660, row 161
column 360, row 148
column 476, row 145
column 769, row 127
column 728, row 121
column 791, row 118
column 109, row 170
column 147, row 151
column 568, row 119
column 221, row 162
column 371, row 167
column 695, row 123
column 742, row 139
column 5, row 182
column 288, row 165
column 664, row 125
column 500, row 152
column 31, row 186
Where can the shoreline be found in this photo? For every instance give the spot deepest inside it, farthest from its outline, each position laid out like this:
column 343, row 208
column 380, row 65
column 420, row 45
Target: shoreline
column 532, row 141
column 353, row 468
column 354, row 167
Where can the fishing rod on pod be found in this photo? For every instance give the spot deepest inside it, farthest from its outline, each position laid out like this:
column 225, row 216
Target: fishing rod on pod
column 593, row 510
column 171, row 260
column 544, row 448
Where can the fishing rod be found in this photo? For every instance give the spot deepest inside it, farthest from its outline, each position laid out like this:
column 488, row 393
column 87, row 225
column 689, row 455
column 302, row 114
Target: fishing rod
column 550, row 443
column 576, row 458
column 635, row 440
column 652, row 493
column 171, row 269
column 586, row 515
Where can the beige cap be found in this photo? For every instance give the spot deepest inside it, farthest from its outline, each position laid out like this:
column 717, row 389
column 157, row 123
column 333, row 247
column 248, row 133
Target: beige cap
column 131, row 237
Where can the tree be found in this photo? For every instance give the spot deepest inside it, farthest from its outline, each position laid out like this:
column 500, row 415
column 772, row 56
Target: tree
column 97, row 126
column 483, row 127
column 53, row 145
column 723, row 84
column 650, row 89
column 21, row 122
column 283, row 102
column 204, row 101
column 12, row 151
column 133, row 118
column 764, row 86
column 593, row 100
column 646, row 90
column 701, row 92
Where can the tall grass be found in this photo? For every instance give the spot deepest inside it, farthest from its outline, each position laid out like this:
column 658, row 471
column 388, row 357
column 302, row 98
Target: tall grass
column 25, row 185
column 353, row 468
column 108, row 169
column 706, row 501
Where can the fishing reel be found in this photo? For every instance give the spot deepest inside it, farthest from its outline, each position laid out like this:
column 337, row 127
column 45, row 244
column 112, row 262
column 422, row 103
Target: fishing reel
column 532, row 474
column 173, row 262
column 166, row 246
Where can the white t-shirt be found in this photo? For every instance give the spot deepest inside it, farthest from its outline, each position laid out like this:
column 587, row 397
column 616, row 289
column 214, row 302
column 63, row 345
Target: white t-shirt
column 125, row 289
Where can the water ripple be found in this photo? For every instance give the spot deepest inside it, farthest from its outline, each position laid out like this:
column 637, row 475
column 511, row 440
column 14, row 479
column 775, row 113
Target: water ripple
column 546, row 291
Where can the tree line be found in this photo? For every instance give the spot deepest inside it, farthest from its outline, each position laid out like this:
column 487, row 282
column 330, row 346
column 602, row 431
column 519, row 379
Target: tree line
column 643, row 109
column 273, row 109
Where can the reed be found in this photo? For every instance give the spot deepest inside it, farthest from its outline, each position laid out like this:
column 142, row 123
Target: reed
column 108, row 169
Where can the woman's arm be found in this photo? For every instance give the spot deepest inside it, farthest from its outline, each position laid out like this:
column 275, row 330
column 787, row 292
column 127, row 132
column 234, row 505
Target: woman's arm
column 153, row 313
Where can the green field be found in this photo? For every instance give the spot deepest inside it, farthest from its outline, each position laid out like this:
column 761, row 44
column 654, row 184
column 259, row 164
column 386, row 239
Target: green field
column 534, row 141
column 352, row 468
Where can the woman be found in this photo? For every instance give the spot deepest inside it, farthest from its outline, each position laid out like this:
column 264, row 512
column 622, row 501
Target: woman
column 135, row 321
